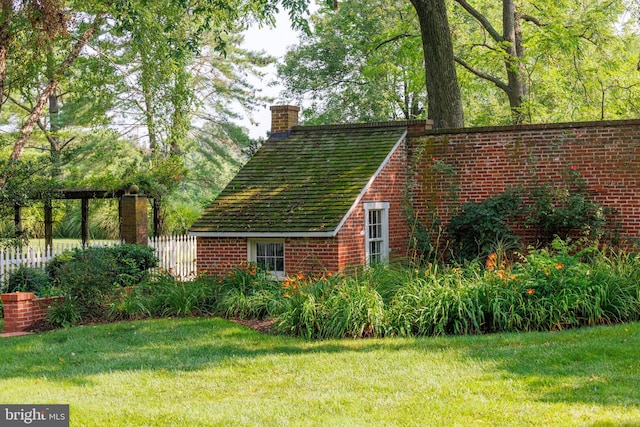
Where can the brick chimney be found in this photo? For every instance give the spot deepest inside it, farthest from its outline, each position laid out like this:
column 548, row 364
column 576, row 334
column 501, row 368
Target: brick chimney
column 283, row 118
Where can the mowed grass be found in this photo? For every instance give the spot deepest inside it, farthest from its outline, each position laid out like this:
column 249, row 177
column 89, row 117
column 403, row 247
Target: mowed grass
column 208, row 371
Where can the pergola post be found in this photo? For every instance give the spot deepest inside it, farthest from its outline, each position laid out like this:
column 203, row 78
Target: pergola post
column 84, row 232
column 48, row 223
column 133, row 218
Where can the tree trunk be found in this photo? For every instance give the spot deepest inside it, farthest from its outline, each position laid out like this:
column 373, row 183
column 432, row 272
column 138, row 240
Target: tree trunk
column 5, row 37
column 159, row 220
column 50, row 89
column 146, row 78
column 443, row 92
column 512, row 34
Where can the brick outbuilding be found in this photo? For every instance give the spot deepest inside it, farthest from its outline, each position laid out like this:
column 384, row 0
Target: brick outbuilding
column 315, row 199
column 324, row 198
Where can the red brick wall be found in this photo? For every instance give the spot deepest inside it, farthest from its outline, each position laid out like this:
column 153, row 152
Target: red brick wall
column 390, row 186
column 216, row 255
column 22, row 310
column 321, row 255
column 310, row 255
column 485, row 161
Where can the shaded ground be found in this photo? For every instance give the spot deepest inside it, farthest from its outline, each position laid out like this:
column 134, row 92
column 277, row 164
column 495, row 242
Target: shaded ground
column 264, row 326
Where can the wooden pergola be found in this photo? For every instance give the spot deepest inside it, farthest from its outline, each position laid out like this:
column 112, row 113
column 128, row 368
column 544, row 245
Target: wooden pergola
column 84, row 195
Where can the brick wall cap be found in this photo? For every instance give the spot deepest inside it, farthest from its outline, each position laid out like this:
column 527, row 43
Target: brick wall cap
column 537, row 126
column 17, row 296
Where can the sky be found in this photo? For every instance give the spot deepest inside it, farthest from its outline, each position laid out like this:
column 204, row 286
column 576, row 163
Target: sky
column 274, row 41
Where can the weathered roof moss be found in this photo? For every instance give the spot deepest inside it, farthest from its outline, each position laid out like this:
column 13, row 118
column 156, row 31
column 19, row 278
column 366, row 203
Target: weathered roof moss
column 305, row 183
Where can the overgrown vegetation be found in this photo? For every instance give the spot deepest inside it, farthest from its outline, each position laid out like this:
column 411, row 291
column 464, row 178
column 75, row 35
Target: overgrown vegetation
column 564, row 286
column 91, row 280
column 480, row 227
column 542, row 210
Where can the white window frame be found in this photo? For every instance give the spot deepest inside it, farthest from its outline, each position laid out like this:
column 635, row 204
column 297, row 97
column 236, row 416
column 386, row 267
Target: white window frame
column 252, row 254
column 383, row 207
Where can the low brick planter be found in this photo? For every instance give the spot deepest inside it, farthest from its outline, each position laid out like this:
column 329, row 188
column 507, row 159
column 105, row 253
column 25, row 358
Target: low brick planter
column 22, row 310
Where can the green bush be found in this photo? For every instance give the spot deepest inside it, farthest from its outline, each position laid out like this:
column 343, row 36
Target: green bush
column 561, row 209
column 166, row 296
column 96, row 277
column 30, row 279
column 435, row 304
column 340, row 306
column 479, row 227
column 65, row 312
column 248, row 292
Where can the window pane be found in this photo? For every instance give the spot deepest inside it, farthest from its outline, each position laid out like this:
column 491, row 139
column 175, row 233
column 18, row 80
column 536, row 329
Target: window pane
column 375, row 238
column 270, row 256
column 375, row 252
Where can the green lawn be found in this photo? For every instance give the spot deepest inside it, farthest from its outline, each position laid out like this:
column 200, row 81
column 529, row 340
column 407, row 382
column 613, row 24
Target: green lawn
column 207, row 371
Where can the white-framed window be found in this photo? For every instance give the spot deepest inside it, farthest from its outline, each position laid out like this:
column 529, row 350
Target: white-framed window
column 376, row 232
column 268, row 255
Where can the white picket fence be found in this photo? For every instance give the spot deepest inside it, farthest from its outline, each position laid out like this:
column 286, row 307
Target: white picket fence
column 177, row 255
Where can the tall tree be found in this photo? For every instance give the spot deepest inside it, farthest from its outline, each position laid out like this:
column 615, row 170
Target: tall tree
column 360, row 63
column 518, row 61
column 445, row 102
column 509, row 43
column 58, row 24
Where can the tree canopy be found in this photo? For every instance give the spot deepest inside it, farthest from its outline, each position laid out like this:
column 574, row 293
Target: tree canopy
column 80, row 78
column 514, row 61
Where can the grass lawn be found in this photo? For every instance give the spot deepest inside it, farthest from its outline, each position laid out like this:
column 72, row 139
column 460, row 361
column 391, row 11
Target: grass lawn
column 208, row 371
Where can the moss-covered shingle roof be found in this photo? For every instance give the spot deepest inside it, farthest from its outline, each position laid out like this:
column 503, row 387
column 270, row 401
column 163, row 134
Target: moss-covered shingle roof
column 304, row 184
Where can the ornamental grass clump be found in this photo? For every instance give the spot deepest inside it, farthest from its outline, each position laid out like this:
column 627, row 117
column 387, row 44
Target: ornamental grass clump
column 561, row 287
column 339, row 306
column 435, row 302
column 246, row 292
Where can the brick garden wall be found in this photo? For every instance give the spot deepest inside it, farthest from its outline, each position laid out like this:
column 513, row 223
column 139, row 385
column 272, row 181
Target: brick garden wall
column 22, row 310
column 472, row 164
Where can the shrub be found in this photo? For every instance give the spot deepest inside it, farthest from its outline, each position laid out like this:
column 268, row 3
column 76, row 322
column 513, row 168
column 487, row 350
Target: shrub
column 95, row 277
column 476, row 230
column 559, row 210
column 65, row 312
column 30, row 279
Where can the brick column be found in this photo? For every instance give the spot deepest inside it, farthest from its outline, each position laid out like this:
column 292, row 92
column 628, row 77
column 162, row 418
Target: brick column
column 17, row 309
column 133, row 217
